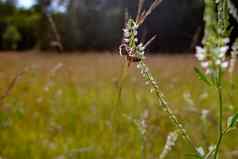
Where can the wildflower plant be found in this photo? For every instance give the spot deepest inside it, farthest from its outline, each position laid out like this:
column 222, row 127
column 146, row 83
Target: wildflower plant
column 212, row 56
column 170, row 143
column 134, row 51
column 214, row 61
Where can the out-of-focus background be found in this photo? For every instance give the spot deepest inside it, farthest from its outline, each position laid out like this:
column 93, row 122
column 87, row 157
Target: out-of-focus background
column 97, row 24
column 70, row 102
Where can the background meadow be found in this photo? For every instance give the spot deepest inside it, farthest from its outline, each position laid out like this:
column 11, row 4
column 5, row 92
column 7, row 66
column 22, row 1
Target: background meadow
column 67, row 106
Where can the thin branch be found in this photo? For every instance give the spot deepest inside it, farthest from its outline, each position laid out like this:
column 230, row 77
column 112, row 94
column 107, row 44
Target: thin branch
column 143, row 16
column 11, row 86
column 150, row 41
column 55, row 31
column 58, row 42
column 140, row 7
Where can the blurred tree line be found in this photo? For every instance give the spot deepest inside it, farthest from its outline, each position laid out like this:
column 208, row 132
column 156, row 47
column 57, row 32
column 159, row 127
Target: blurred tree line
column 97, row 24
column 18, row 27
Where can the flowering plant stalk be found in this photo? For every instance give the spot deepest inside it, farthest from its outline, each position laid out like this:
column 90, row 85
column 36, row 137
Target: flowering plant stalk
column 134, row 51
column 170, row 143
column 213, row 59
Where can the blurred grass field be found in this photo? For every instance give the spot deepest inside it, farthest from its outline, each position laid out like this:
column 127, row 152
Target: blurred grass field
column 66, row 107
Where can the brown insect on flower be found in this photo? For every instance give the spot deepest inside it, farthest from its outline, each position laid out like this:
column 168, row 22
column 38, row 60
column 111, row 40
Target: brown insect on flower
column 133, row 59
column 130, row 54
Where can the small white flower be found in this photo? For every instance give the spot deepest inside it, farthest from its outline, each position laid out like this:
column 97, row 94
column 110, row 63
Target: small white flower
column 147, row 82
column 223, row 51
column 204, row 114
column 136, row 40
column 152, row 90
column 170, row 143
column 142, row 52
column 226, row 40
column 126, row 34
column 125, row 30
column 138, row 66
column 200, row 56
column 135, row 26
column 201, row 151
column 235, row 47
column 199, row 50
column 141, row 47
column 211, row 148
column 218, row 62
column 135, row 32
column 205, row 64
column 208, row 71
column 126, row 40
column 225, row 64
column 146, row 69
column 200, row 53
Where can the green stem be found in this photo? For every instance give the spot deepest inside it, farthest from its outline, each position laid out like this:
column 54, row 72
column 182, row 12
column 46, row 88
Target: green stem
column 121, row 80
column 142, row 146
column 167, row 109
column 220, row 130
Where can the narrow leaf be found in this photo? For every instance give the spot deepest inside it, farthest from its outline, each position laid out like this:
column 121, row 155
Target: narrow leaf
column 202, row 76
column 232, row 121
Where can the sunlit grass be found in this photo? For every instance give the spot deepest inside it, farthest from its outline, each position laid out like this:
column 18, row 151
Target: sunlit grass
column 66, row 106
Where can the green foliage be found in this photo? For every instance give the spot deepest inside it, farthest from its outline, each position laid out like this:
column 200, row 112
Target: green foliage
column 213, row 60
column 19, row 28
column 202, row 76
column 232, row 121
column 210, row 18
column 216, row 17
column 11, row 37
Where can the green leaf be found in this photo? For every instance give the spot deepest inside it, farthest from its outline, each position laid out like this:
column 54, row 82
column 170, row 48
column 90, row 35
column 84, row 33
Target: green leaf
column 232, row 121
column 202, row 76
